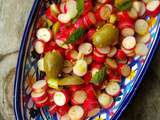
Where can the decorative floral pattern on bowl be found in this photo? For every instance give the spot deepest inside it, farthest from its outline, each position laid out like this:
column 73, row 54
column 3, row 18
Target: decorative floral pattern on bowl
column 27, row 73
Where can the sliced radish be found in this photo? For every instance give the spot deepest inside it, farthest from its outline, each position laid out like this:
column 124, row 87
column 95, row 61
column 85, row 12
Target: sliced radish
column 65, row 117
column 89, row 19
column 141, row 49
column 80, row 68
column 71, row 7
column 85, row 48
column 124, row 70
column 39, row 86
column 153, row 7
column 43, row 103
column 139, row 7
column 120, row 55
column 44, row 34
column 132, row 54
column 60, row 98
column 104, row 51
column 91, row 106
column 39, row 47
column 105, row 100
column 67, row 67
column 90, row 91
column 60, row 43
column 79, row 97
column 64, row 18
column 98, row 57
column 144, row 39
column 87, row 7
column 124, row 20
column 51, row 93
column 75, row 88
column 71, row 55
column 112, row 52
column 63, row 7
column 54, row 8
column 76, row 112
column 113, row 89
column 127, row 32
column 88, row 59
column 41, row 64
column 62, row 110
column 104, row 12
column 133, row 13
column 129, row 42
column 111, row 63
column 141, row 26
column 87, row 77
column 127, row 51
column 115, row 78
column 38, row 96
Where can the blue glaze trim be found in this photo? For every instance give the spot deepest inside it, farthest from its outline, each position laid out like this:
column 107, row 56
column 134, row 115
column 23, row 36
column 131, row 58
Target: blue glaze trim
column 17, row 91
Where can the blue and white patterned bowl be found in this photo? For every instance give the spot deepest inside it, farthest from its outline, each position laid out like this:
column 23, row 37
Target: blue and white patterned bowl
column 27, row 73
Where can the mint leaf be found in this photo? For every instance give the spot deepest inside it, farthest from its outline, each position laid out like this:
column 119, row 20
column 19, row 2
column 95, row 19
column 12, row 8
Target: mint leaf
column 76, row 35
column 80, row 8
column 99, row 76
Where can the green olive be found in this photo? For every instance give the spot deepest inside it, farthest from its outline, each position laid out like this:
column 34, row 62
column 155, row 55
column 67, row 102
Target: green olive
column 71, row 80
column 123, row 4
column 105, row 36
column 53, row 64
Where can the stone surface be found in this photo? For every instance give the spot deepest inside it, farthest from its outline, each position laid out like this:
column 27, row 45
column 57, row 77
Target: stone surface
column 13, row 16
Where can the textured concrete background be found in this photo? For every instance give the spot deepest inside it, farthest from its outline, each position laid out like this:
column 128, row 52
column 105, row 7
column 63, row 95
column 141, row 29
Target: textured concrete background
column 13, row 16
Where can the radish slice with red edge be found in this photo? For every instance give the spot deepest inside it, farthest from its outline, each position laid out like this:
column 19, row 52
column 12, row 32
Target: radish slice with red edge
column 85, row 48
column 141, row 49
column 60, row 98
column 38, row 96
column 104, row 50
column 113, row 89
column 98, row 57
column 127, row 32
column 124, row 70
column 79, row 97
column 44, row 34
column 40, row 104
column 153, row 7
column 76, row 112
column 64, row 18
column 133, row 13
column 105, row 100
column 90, row 91
column 39, row 47
column 39, row 86
column 62, row 110
column 112, row 52
column 129, row 42
column 91, row 107
column 139, row 7
column 141, row 26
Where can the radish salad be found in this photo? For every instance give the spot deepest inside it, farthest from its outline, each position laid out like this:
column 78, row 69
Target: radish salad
column 85, row 46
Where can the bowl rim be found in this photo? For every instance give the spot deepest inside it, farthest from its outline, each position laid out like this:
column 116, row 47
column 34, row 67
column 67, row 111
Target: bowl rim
column 125, row 102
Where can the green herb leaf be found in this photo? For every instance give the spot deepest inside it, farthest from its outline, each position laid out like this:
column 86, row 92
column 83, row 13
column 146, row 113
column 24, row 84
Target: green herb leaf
column 80, row 8
column 75, row 36
column 99, row 76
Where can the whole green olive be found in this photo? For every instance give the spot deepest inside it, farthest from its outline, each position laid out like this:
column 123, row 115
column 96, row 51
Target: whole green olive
column 105, row 36
column 53, row 64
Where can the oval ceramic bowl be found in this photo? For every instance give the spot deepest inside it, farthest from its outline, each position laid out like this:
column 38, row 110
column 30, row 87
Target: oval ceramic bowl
column 27, row 73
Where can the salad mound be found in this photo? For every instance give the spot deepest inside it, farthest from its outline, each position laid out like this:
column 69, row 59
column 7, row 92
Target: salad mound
column 84, row 48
